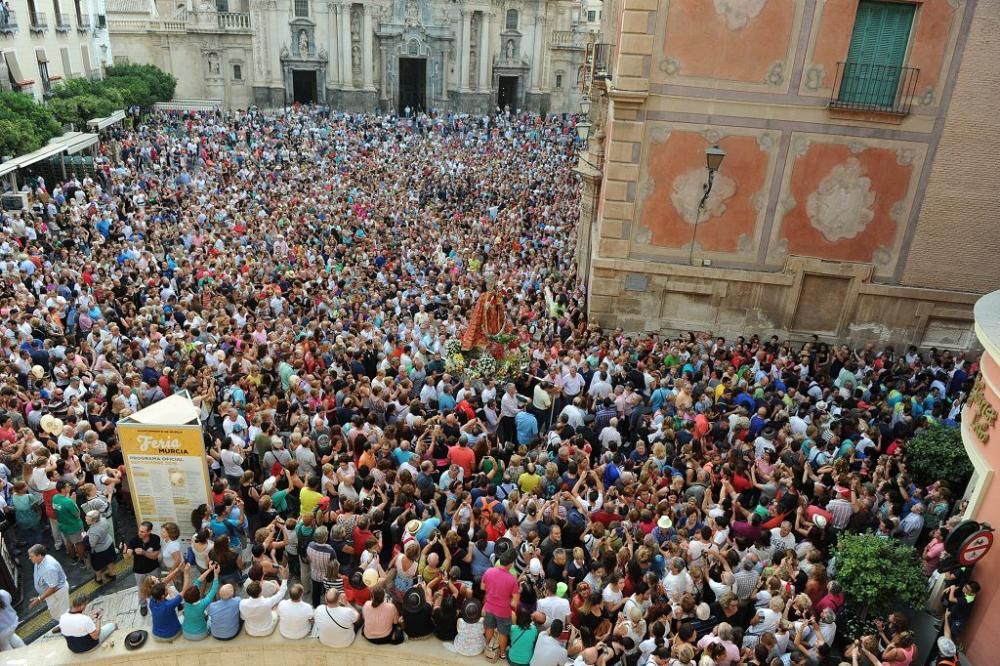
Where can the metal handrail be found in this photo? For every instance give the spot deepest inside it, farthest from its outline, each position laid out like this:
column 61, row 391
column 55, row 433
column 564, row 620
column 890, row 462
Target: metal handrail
column 39, row 22
column 9, row 24
column 877, row 88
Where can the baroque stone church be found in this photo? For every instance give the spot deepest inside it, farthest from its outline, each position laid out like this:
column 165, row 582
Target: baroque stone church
column 391, row 55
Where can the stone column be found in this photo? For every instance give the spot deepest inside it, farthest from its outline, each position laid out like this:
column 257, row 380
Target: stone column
column 345, row 45
column 538, row 56
column 445, row 71
column 384, row 71
column 332, row 53
column 464, row 63
column 335, row 51
column 485, row 53
column 366, row 46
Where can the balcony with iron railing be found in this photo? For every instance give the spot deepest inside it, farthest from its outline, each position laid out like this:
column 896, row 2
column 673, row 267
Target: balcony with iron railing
column 62, row 22
column 39, row 23
column 8, row 23
column 874, row 88
column 568, row 39
column 238, row 21
column 83, row 23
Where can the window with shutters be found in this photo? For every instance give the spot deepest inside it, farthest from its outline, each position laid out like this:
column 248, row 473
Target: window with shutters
column 874, row 77
column 512, row 19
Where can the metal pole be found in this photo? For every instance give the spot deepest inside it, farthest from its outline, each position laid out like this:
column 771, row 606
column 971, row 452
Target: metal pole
column 697, row 215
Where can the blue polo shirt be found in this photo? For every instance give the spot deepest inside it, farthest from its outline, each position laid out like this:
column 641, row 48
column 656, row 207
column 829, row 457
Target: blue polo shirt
column 527, row 427
column 224, row 618
column 165, row 622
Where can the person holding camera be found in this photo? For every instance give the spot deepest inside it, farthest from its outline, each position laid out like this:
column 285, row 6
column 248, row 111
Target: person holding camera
column 84, row 632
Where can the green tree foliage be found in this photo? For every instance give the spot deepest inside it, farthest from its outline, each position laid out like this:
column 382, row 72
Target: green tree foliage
column 878, row 574
column 161, row 85
column 24, row 125
column 937, row 454
column 78, row 100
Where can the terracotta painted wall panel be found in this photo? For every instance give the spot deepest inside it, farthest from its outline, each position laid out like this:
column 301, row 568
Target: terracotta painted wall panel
column 843, row 202
column 676, row 169
column 929, row 43
column 834, row 23
column 732, row 40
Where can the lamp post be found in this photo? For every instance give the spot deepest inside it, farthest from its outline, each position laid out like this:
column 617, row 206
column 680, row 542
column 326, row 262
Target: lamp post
column 583, row 125
column 713, row 160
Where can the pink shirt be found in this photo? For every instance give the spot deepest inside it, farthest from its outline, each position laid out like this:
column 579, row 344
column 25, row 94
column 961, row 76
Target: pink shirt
column 379, row 621
column 501, row 586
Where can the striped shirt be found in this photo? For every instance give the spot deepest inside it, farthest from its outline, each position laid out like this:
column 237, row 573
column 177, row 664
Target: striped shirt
column 48, row 574
column 841, row 510
column 319, row 558
column 745, row 583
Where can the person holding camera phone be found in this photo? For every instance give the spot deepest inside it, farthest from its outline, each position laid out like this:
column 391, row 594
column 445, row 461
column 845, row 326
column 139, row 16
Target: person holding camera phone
column 84, row 632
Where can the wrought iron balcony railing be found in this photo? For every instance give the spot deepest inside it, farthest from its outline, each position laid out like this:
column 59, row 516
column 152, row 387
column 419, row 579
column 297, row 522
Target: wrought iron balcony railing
column 8, row 22
column 39, row 23
column 877, row 88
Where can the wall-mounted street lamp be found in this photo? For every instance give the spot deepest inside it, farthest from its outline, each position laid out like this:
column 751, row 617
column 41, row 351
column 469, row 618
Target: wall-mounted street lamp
column 583, row 125
column 713, row 160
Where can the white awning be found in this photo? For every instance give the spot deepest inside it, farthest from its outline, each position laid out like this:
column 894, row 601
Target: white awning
column 80, row 142
column 176, row 409
column 45, row 152
column 71, row 142
column 101, row 123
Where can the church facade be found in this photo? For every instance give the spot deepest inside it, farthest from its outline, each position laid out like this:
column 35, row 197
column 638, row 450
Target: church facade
column 389, row 55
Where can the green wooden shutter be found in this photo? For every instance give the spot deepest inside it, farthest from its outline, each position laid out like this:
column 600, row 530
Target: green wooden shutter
column 877, row 51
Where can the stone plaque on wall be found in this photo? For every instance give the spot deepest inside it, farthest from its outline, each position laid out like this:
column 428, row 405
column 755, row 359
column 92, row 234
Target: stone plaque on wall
column 635, row 282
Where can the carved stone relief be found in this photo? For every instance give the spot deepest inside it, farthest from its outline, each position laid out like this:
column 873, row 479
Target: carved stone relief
column 688, row 189
column 843, row 204
column 739, row 13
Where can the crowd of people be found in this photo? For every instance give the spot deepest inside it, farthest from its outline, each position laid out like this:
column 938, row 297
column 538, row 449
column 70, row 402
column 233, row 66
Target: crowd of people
column 628, row 499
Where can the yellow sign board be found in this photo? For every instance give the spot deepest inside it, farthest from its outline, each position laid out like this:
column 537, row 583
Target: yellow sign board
column 167, row 472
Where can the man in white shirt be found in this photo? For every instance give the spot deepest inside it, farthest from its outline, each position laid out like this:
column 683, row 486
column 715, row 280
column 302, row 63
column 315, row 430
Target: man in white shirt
column 678, row 580
column 572, row 384
column 82, row 631
column 335, row 621
column 554, row 606
column 549, row 650
column 766, row 619
column 610, row 435
column 257, row 611
column 295, row 617
column 782, row 538
column 232, row 463
column 574, row 413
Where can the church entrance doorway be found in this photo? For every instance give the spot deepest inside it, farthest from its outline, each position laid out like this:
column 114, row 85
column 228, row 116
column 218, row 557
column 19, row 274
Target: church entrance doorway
column 507, row 92
column 412, row 85
column 304, row 86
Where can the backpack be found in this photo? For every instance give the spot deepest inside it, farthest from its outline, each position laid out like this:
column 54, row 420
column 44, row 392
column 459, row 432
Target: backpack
column 487, row 508
column 303, row 543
